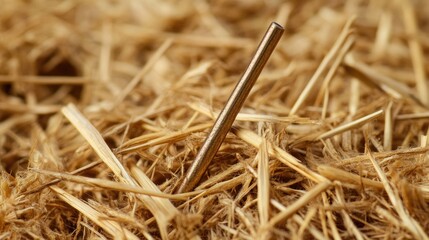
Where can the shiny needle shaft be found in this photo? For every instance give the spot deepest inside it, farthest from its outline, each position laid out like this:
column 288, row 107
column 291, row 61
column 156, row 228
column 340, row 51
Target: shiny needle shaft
column 226, row 118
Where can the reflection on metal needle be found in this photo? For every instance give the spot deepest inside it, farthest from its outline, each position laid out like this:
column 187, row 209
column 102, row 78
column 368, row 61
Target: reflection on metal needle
column 235, row 102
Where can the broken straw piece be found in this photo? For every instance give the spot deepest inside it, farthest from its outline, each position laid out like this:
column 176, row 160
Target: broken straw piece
column 162, row 211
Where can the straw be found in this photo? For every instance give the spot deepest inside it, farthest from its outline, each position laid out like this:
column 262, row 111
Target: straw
column 104, row 105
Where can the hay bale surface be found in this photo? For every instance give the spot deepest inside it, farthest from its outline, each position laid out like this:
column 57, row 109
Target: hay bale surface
column 104, row 105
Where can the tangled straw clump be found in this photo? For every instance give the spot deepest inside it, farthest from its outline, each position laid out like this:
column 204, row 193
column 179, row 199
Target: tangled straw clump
column 104, row 105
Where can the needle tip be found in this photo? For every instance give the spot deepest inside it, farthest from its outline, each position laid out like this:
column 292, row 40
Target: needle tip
column 277, row 25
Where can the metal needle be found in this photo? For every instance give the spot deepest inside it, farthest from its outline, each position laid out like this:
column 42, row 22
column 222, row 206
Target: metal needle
column 229, row 113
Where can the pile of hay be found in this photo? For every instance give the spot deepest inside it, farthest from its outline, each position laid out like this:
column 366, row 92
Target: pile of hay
column 104, row 105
